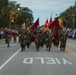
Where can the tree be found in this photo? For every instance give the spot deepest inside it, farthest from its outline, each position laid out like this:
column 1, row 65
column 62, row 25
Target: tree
column 3, row 13
column 11, row 15
column 68, row 15
column 25, row 16
column 20, row 16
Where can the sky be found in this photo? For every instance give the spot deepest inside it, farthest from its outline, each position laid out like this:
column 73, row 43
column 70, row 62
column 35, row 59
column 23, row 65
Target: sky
column 43, row 9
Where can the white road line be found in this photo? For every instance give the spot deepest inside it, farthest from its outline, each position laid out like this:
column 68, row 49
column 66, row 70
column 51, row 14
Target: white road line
column 9, row 59
column 6, row 45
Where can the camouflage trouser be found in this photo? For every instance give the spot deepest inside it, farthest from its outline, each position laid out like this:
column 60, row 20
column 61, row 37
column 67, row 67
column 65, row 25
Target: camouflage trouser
column 28, row 42
column 48, row 45
column 22, row 44
column 14, row 38
column 41, row 43
column 7, row 40
column 56, row 41
column 62, row 45
column 37, row 44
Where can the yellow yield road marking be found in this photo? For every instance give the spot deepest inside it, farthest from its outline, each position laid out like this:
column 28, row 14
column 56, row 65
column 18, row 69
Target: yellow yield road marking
column 71, row 52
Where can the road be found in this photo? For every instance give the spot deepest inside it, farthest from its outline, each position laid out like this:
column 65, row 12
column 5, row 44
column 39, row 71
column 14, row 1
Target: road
column 32, row 62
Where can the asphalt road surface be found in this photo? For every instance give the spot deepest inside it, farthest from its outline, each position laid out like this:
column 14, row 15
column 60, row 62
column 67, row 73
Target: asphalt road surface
column 32, row 62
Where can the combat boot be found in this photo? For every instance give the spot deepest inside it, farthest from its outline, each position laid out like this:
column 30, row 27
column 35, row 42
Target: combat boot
column 63, row 49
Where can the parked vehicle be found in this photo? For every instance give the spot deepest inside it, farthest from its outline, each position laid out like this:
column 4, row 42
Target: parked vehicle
column 72, row 33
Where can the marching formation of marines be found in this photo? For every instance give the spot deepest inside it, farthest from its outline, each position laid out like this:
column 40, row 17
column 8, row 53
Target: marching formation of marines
column 43, row 37
column 40, row 37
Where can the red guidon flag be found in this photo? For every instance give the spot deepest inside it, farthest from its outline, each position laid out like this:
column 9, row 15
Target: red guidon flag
column 50, row 22
column 46, row 24
column 35, row 25
column 55, row 24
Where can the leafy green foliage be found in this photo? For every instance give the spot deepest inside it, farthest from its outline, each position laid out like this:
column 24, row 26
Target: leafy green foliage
column 68, row 16
column 3, row 13
column 11, row 15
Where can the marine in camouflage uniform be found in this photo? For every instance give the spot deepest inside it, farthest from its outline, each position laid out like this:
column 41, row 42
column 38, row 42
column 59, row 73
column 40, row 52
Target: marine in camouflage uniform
column 14, row 34
column 22, row 38
column 38, row 39
column 8, row 36
column 56, row 38
column 43, row 37
column 63, row 39
column 48, row 40
column 28, row 38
